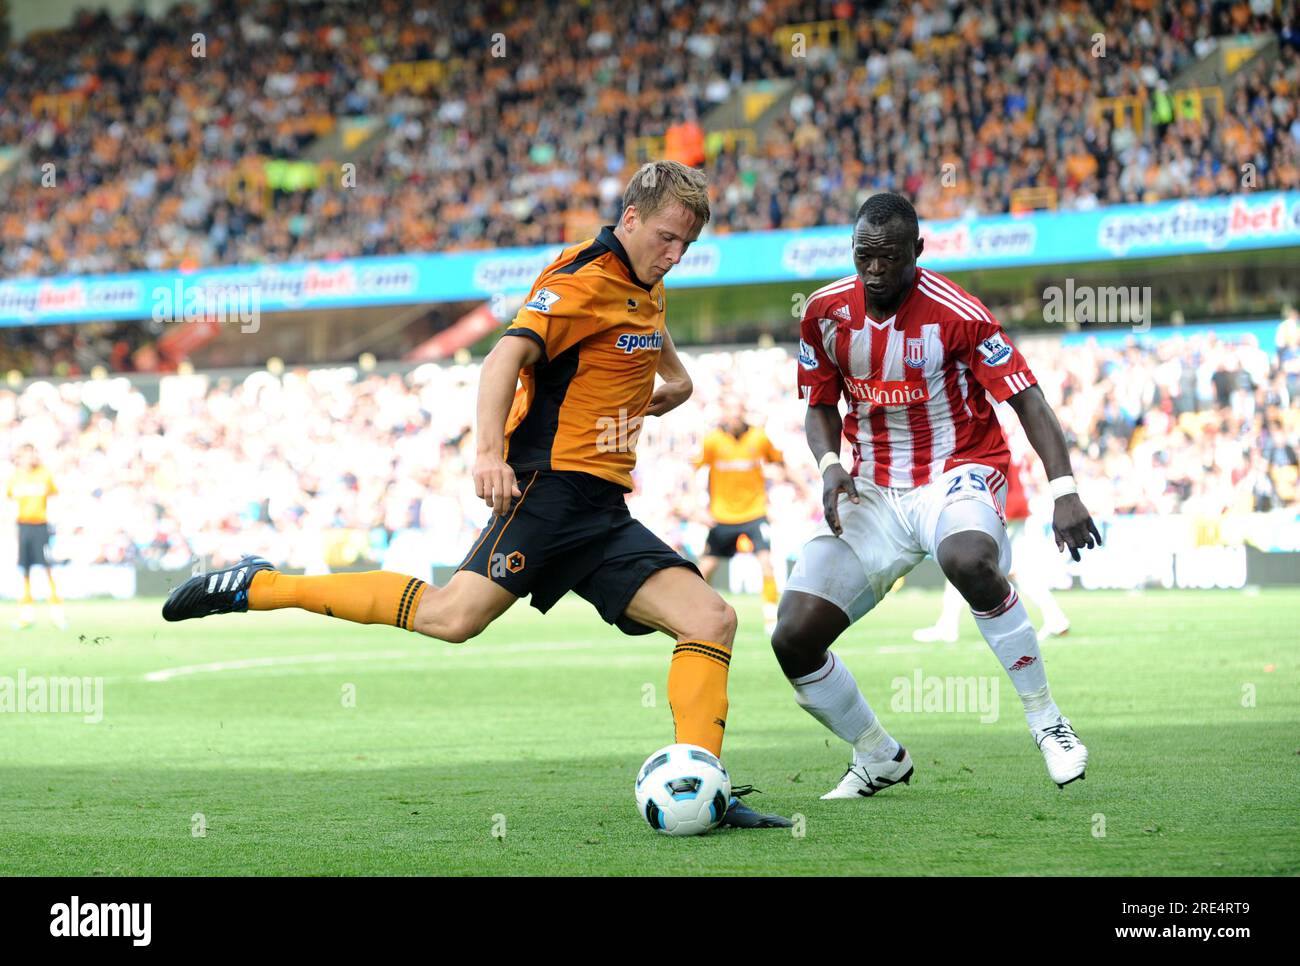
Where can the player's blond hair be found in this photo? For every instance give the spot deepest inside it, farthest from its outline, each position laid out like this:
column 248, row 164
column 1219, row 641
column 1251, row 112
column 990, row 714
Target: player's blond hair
column 658, row 184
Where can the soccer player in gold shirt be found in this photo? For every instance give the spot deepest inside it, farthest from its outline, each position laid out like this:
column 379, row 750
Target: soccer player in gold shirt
column 735, row 454
column 32, row 486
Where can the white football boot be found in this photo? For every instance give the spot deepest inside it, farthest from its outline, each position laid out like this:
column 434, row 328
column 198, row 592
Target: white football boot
column 1065, row 754
column 1050, row 630
column 864, row 779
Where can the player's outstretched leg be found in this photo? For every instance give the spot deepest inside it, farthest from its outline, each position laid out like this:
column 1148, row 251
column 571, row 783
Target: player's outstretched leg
column 454, row 613
column 678, row 602
column 807, row 625
column 970, row 559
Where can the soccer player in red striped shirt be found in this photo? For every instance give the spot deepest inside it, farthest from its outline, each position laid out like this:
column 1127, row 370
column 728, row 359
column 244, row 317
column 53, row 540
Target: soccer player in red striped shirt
column 912, row 355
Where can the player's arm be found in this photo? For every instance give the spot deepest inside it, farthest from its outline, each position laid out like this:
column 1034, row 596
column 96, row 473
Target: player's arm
column 1071, row 521
column 818, row 382
column 776, row 458
column 557, row 316
column 705, row 456
column 823, row 426
column 676, row 387
column 998, row 366
column 494, row 480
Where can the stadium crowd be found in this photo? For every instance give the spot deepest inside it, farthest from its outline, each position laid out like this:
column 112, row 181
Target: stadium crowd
column 151, row 125
column 321, row 468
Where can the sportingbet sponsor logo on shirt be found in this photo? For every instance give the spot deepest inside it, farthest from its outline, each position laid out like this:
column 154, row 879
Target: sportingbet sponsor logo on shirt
column 887, row 393
column 630, row 342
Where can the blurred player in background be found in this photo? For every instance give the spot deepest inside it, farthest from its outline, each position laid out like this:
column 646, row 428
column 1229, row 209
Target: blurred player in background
column 1026, row 571
column 734, row 454
column 914, row 355
column 32, row 486
column 562, row 396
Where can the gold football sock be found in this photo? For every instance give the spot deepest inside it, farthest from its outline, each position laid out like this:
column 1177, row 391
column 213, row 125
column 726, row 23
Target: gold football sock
column 697, row 693
column 54, row 591
column 27, row 591
column 769, row 590
column 373, row 597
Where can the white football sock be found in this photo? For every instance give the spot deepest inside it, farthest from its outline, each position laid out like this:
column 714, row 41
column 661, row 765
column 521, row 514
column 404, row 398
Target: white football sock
column 831, row 695
column 1014, row 641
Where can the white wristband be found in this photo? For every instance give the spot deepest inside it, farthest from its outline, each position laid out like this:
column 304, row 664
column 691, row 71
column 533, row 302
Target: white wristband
column 1062, row 486
column 830, row 459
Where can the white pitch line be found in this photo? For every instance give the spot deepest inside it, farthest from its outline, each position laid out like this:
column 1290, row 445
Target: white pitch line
column 166, row 674
column 452, row 652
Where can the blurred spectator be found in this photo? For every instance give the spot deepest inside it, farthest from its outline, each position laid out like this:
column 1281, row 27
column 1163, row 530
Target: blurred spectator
column 322, row 467
column 159, row 152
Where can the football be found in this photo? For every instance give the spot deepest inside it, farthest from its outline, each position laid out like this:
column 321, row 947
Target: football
column 682, row 790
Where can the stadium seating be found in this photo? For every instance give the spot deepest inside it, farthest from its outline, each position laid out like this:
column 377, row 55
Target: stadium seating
column 518, row 133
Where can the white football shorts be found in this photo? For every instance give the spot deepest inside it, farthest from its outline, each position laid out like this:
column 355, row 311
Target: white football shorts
column 892, row 529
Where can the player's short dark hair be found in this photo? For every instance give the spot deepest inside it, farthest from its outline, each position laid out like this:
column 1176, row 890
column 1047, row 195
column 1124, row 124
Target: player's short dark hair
column 886, row 207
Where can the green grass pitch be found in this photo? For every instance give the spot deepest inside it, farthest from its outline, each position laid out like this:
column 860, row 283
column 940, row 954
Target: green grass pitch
column 515, row 754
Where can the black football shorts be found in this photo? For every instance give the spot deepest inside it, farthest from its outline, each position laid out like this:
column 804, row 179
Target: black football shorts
column 33, row 542
column 571, row 531
column 722, row 538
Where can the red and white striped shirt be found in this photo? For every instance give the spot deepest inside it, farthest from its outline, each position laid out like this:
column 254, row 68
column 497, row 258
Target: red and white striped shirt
column 913, row 381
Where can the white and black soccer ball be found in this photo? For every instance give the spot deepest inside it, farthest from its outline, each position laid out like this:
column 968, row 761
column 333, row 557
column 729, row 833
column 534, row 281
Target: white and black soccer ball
column 682, row 790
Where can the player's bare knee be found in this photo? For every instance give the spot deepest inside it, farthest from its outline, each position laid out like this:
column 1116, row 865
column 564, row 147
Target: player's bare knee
column 439, row 617
column 798, row 650
column 786, row 642
column 459, row 629
column 715, row 621
column 970, row 561
column 806, row 627
column 726, row 621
